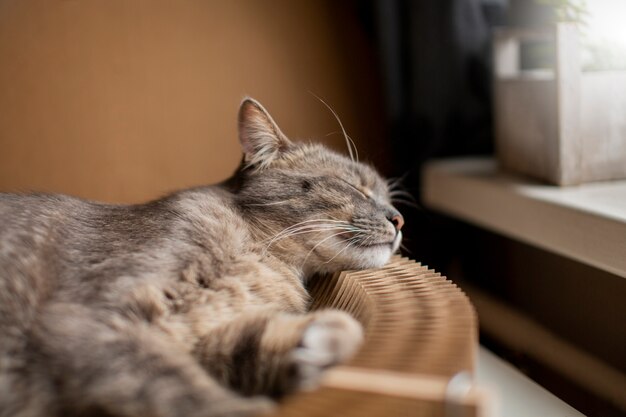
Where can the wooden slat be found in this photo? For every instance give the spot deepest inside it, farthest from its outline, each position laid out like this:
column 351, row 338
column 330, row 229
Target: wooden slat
column 420, row 332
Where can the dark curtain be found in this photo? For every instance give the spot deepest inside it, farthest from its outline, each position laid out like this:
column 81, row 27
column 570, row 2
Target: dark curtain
column 434, row 58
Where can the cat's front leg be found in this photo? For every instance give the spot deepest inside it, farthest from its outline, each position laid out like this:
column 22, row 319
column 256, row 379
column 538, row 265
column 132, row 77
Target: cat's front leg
column 332, row 337
column 274, row 354
column 116, row 366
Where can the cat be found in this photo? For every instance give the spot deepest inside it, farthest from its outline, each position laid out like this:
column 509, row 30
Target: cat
column 193, row 304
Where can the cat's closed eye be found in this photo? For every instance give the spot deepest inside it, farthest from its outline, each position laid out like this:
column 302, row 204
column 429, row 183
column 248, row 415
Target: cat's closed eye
column 358, row 189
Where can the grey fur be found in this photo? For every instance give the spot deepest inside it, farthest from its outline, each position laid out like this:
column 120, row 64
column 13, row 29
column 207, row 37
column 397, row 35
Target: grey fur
column 193, row 304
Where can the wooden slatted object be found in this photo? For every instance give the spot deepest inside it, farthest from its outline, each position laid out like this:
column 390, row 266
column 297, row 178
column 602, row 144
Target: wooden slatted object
column 420, row 348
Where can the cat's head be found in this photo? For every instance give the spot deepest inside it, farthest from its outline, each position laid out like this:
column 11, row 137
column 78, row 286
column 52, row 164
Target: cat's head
column 315, row 208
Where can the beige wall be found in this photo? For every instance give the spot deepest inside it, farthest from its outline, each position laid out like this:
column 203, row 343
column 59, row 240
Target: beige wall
column 123, row 100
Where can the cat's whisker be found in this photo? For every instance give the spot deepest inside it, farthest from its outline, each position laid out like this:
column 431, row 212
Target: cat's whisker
column 339, row 220
column 406, row 203
column 396, row 198
column 349, row 139
column 311, row 228
column 401, row 193
column 287, row 232
column 396, row 184
column 349, row 142
column 391, row 181
column 405, row 249
column 320, row 242
column 308, row 223
column 397, row 181
column 304, row 229
column 313, row 222
column 357, row 237
column 318, row 220
column 348, row 244
column 369, row 240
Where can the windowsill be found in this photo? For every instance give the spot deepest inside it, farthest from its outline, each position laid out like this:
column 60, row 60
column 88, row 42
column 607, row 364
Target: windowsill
column 517, row 395
column 586, row 223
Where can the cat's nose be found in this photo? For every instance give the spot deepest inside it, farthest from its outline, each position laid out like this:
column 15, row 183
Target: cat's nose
column 396, row 219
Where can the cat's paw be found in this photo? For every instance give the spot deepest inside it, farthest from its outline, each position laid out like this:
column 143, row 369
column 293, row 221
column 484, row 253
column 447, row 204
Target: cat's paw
column 332, row 338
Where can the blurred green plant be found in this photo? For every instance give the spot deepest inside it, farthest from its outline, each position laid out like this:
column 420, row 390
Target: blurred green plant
column 573, row 11
column 597, row 55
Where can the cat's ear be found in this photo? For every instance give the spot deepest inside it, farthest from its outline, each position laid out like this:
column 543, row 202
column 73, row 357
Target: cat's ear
column 260, row 137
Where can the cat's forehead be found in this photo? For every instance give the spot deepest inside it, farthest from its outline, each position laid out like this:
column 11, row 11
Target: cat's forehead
column 319, row 159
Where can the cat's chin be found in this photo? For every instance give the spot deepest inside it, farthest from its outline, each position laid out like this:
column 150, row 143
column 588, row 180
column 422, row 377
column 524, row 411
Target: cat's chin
column 366, row 258
column 357, row 258
column 376, row 256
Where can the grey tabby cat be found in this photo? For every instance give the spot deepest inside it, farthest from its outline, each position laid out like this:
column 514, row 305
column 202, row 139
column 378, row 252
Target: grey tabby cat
column 193, row 304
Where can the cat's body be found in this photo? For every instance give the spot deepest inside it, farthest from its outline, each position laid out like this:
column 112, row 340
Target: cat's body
column 180, row 306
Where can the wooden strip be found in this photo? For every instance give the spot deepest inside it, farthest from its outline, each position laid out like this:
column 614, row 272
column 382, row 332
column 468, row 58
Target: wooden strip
column 420, row 331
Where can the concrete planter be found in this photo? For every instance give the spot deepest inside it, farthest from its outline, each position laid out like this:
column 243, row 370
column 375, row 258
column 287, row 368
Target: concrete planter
column 564, row 126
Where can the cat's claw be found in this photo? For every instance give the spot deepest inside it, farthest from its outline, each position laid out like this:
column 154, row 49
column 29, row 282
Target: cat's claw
column 332, row 338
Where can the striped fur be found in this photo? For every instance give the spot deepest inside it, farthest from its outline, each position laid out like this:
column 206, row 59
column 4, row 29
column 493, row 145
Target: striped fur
column 193, row 304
